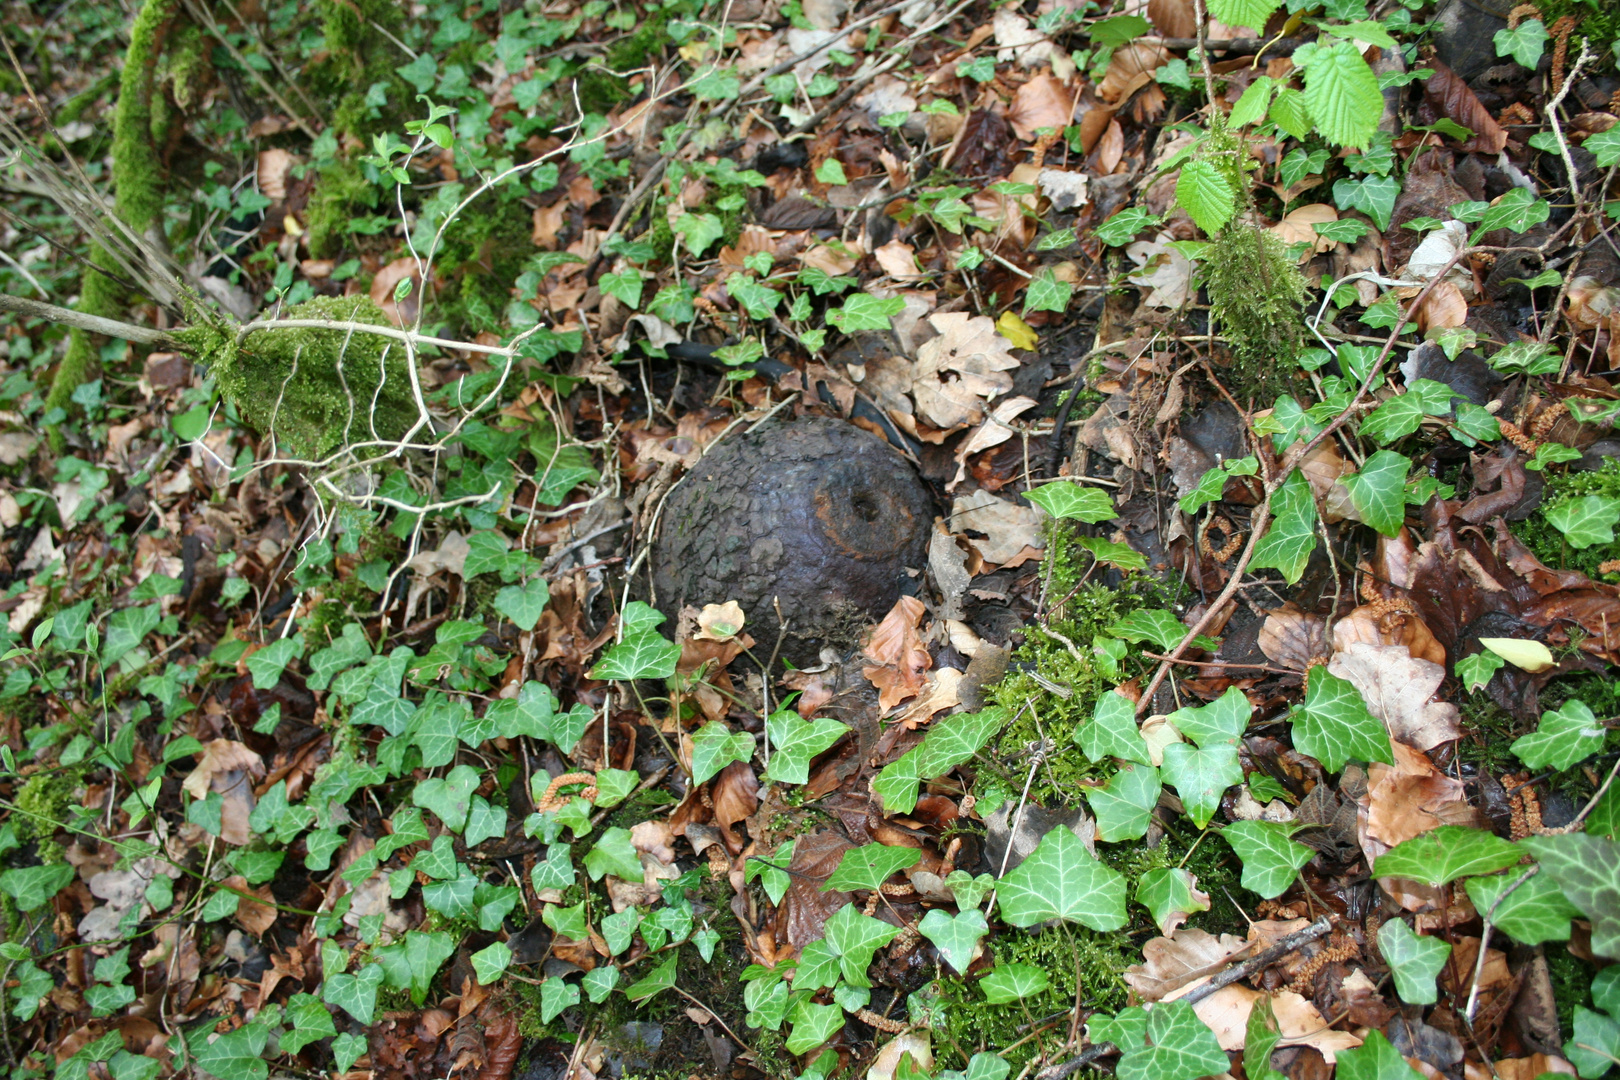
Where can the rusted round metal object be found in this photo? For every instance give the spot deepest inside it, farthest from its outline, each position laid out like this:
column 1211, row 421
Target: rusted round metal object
column 813, row 515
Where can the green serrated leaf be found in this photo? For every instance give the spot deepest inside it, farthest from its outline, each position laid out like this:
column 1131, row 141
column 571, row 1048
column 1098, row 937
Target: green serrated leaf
column 1206, row 194
column 1253, row 14
column 1341, row 92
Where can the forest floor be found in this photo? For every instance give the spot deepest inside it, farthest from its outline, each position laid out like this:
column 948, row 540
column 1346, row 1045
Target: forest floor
column 778, row 538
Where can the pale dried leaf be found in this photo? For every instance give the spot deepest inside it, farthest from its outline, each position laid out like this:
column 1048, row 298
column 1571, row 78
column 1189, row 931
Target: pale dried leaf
column 1399, row 689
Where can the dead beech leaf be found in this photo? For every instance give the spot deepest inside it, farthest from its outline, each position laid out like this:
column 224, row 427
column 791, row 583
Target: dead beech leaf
column 736, row 795
column 1173, row 18
column 899, row 260
column 1139, row 58
column 1411, row 797
column 720, row 622
column 1444, row 308
column 940, row 693
column 1008, row 529
column 995, row 430
column 274, row 165
column 1296, row 227
column 1292, row 638
column 255, row 908
column 1165, row 271
column 1170, row 963
column 402, row 312
column 961, row 370
column 1449, row 96
column 1042, row 102
column 221, row 758
column 899, row 656
column 1366, row 625
column 1399, row 689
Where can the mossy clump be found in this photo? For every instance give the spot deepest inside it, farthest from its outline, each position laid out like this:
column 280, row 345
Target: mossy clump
column 1257, row 295
column 341, row 193
column 314, row 389
column 1548, row 544
column 45, row 803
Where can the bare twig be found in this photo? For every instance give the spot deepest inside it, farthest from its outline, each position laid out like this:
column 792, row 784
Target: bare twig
column 94, row 324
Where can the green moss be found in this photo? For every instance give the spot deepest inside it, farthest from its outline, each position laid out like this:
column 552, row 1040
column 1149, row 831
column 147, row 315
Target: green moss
column 44, row 802
column 138, row 189
column 358, row 55
column 1571, row 979
column 1548, row 544
column 1257, row 295
column 313, row 389
column 341, row 193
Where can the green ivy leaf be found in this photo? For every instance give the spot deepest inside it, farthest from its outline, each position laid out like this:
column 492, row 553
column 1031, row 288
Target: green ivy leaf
column 770, row 874
column 1516, row 210
column 795, row 742
column 1586, row 869
column 1527, row 358
column 1373, row 195
column 813, row 1025
column 624, row 284
column 1124, row 806
column 714, row 746
column 599, row 982
column 1594, row 1045
column 485, row 821
column 1068, row 499
column 1047, row 293
column 1378, row 491
column 955, row 936
column 1124, row 226
column 265, row 666
column 1289, row 542
column 1342, row 94
column 1207, row 196
column 32, row 886
column 1112, row 731
column 236, row 1055
column 1157, row 626
column 1476, row 670
column 969, row 890
column 1221, row 721
column 641, row 653
column 699, row 231
column 524, row 604
column 1270, row 859
column 1014, row 982
column 1262, row 1035
column 1374, row 1059
column 1201, row 776
column 1107, row 551
column 1441, row 856
column 411, row 964
column 869, row 866
column 1180, row 1047
column 614, row 854
column 1605, row 146
column 1170, row 894
column 1563, row 740
column 853, row 938
column 355, row 994
column 490, row 963
column 863, row 311
column 656, row 981
column 1333, row 725
column 1532, row 913
column 1585, row 521
column 1414, row 961
column 1062, row 880
column 1207, row 490
column 449, row 796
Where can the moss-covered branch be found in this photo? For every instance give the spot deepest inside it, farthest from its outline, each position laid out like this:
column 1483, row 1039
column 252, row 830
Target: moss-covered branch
column 137, row 191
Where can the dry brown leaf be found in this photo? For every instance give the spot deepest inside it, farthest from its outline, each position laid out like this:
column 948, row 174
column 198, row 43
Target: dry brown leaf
column 899, row 656
column 1138, row 59
column 1366, row 625
column 1296, row 227
column 274, row 165
column 1170, row 963
column 1399, row 689
column 720, row 622
column 1449, row 96
column 401, row 313
column 1164, row 270
column 961, row 370
column 1173, row 18
column 899, row 260
column 1226, row 1013
column 736, row 795
column 1042, row 102
column 256, row 911
column 1526, row 1068
column 995, row 430
column 1411, row 797
column 941, row 692
column 1444, row 308
column 1008, row 529
column 1292, row 638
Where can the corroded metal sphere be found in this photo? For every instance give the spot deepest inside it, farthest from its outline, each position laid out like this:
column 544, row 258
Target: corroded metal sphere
column 813, row 515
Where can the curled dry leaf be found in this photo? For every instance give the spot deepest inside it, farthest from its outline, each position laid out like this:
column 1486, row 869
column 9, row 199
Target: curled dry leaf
column 1449, row 96
column 961, row 370
column 1173, row 18
column 1370, row 625
column 1131, row 63
column 899, row 260
column 1411, row 797
column 1399, row 689
column 720, row 622
column 899, row 656
column 1009, row 530
column 736, row 795
column 1226, row 1013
